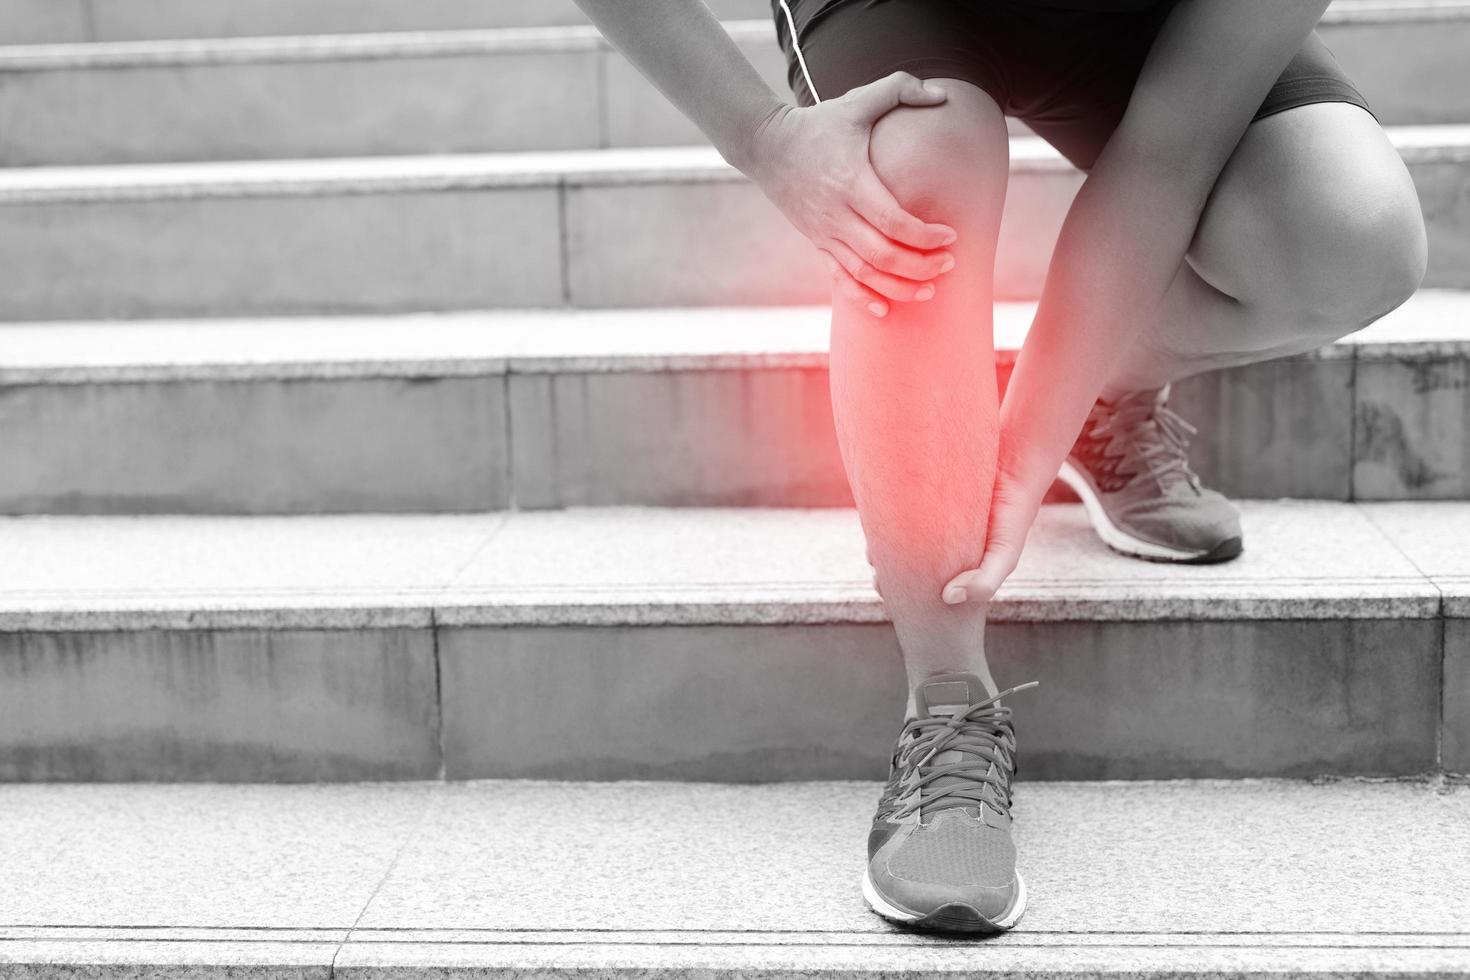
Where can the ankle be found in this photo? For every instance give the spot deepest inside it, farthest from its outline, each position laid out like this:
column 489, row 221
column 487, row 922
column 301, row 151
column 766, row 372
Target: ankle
column 918, row 675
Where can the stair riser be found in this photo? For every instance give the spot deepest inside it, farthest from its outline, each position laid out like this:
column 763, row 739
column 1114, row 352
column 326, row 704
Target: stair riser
column 314, row 253
column 255, row 447
column 580, row 97
column 226, row 706
column 1119, row 700
column 356, row 249
column 1301, row 427
column 47, row 21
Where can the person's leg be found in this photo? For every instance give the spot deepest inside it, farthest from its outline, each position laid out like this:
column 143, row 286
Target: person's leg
column 914, row 392
column 1313, row 231
column 914, row 395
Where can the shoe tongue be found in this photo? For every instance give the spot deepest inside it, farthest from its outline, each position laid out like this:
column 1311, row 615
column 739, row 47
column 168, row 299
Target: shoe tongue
column 945, row 695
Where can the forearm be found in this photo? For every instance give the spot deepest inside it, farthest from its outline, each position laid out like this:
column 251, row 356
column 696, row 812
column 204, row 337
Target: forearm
column 683, row 50
column 1120, row 247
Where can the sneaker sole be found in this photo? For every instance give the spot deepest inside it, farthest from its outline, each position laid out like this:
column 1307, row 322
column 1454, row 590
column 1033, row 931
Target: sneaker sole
column 1134, row 547
column 950, row 917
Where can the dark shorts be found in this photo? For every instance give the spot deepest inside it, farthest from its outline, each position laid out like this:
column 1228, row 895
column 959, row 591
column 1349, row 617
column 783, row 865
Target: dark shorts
column 1067, row 74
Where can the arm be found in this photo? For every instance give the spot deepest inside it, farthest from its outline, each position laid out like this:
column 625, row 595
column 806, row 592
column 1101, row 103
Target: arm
column 1125, row 236
column 681, row 48
column 811, row 162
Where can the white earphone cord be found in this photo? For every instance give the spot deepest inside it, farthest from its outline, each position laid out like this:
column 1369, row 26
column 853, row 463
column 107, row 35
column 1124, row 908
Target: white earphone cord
column 796, row 46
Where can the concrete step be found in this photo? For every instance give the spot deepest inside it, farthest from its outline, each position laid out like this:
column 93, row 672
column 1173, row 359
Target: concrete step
column 627, row 228
column 67, row 21
column 58, row 21
column 742, row 645
column 1240, row 880
column 445, row 92
column 680, row 407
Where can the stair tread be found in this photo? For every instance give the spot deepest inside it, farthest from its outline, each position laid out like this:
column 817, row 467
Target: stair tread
column 1434, row 321
column 681, row 566
column 523, row 168
column 492, row 40
column 1201, row 877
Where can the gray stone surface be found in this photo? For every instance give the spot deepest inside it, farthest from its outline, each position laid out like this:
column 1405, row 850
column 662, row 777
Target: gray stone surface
column 1454, row 752
column 352, row 106
column 200, row 573
column 216, row 859
column 1212, row 699
column 449, row 232
column 229, row 705
column 632, row 566
column 697, row 702
column 686, row 879
column 1276, row 429
column 1101, row 860
column 637, row 114
column 1413, row 427
column 129, row 19
column 152, row 959
column 686, row 406
column 309, row 446
column 43, row 21
column 295, row 648
column 1400, row 88
column 1117, row 700
column 1444, row 189
column 292, row 254
column 705, row 438
column 620, row 248
column 436, row 91
column 1434, row 536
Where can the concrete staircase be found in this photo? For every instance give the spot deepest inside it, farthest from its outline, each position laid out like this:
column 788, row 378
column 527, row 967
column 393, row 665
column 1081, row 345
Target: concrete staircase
column 668, row 880
column 361, row 423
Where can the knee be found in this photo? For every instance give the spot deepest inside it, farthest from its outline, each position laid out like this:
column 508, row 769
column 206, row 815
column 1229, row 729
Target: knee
column 1369, row 256
column 1341, row 259
column 938, row 161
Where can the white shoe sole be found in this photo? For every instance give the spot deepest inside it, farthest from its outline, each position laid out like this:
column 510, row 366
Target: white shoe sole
column 900, row 915
column 1113, row 535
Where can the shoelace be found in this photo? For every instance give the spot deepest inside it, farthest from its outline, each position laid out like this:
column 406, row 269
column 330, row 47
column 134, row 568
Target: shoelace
column 983, row 732
column 1154, row 439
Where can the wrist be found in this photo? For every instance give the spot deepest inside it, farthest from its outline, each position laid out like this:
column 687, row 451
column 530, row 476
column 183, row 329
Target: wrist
column 1021, row 465
column 745, row 151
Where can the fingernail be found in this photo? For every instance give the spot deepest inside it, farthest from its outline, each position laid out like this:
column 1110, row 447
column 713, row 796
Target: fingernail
column 877, row 309
column 950, row 237
column 931, row 87
column 924, row 293
column 954, row 596
column 947, row 264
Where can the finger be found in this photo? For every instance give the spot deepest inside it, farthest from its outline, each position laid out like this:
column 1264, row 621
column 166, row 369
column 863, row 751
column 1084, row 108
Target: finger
column 846, row 285
column 881, row 209
column 885, row 285
column 890, row 92
column 885, row 255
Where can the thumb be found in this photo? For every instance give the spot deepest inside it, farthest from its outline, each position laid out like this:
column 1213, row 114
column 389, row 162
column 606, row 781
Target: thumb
column 891, row 91
column 1002, row 553
column 980, row 584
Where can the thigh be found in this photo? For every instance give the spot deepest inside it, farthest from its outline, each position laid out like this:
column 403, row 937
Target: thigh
column 1081, row 113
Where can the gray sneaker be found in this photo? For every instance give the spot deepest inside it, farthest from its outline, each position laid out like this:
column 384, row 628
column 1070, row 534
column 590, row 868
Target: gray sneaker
column 940, row 854
column 1130, row 469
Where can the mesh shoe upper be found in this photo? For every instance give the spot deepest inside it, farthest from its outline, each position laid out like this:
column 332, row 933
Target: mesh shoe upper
column 1133, row 451
column 941, row 836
